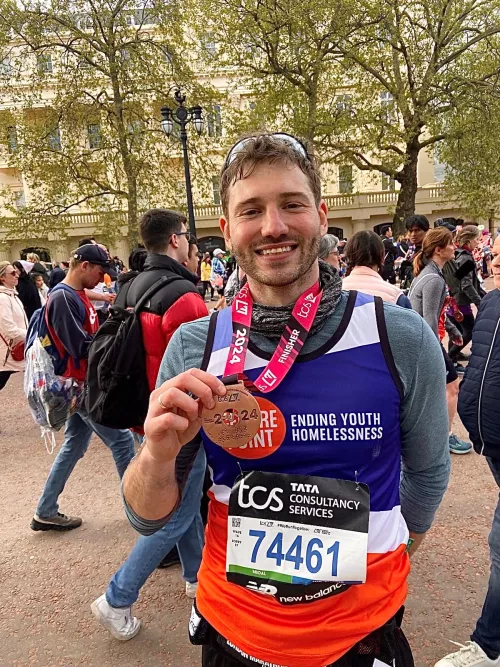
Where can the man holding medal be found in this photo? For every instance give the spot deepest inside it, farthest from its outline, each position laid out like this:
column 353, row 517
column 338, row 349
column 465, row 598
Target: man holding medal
column 327, row 442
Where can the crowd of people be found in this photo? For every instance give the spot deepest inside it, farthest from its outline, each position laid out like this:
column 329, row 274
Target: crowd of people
column 293, row 454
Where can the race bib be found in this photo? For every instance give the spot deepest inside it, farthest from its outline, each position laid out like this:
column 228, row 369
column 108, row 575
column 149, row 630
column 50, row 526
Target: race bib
column 296, row 537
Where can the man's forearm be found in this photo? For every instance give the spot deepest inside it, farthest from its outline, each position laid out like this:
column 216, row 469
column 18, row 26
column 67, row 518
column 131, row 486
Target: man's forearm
column 150, row 488
column 95, row 296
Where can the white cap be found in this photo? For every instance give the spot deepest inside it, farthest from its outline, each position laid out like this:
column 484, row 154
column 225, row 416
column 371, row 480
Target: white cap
column 218, row 251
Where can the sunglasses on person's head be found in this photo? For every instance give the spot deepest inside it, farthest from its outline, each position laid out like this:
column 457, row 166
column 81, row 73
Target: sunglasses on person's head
column 292, row 141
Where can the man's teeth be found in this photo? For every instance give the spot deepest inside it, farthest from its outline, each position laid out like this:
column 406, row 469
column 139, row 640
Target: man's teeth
column 275, row 251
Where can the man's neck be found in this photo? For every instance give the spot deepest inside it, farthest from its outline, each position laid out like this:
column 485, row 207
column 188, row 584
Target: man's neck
column 73, row 281
column 268, row 295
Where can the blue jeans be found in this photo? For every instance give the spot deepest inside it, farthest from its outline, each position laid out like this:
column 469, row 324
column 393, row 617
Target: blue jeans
column 77, row 434
column 185, row 529
column 487, row 632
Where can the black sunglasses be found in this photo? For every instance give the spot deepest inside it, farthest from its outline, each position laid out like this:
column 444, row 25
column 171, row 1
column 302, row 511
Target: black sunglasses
column 190, row 237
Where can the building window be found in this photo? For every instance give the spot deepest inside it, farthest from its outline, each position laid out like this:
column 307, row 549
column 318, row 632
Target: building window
column 343, row 103
column 12, row 139
column 346, row 181
column 94, row 135
column 208, row 44
column 20, row 202
column 85, row 22
column 439, row 167
column 54, row 139
column 214, row 122
column 5, row 67
column 387, row 107
column 216, row 190
column 44, row 63
column 388, row 182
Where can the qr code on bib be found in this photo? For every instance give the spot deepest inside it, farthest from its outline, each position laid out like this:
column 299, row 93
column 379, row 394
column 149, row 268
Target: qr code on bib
column 236, row 522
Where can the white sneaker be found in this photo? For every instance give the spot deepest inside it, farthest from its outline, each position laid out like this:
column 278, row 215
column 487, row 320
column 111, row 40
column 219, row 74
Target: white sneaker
column 470, row 655
column 120, row 622
column 191, row 590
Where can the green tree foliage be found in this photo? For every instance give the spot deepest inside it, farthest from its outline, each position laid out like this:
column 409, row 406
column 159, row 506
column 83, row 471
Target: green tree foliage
column 84, row 87
column 471, row 155
column 368, row 83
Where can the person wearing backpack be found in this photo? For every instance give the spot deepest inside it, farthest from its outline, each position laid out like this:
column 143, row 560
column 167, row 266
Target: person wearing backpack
column 72, row 322
column 177, row 301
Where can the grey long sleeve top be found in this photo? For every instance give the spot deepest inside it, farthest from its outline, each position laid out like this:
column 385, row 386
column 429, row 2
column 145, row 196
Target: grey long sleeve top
column 423, row 413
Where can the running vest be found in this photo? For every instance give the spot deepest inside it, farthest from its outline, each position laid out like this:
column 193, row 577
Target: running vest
column 335, row 415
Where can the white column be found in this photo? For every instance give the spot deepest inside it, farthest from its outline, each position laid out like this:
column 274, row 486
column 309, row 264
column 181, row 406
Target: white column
column 121, row 248
column 5, row 254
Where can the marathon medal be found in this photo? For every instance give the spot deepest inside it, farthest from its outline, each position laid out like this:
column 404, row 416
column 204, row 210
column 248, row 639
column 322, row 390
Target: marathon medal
column 234, row 420
column 236, row 417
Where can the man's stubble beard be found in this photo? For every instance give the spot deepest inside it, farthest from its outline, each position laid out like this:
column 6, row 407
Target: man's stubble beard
column 247, row 261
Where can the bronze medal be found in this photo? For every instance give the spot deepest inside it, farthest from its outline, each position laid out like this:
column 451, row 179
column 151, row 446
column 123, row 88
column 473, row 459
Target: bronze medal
column 234, row 420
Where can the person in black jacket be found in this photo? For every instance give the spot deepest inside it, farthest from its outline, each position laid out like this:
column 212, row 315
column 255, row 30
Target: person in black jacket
column 478, row 407
column 391, row 253
column 470, row 291
column 27, row 291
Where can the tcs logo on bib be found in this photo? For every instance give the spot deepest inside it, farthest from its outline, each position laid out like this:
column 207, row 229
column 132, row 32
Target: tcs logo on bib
column 270, row 436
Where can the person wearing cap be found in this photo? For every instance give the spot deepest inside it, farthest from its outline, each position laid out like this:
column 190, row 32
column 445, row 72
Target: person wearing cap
column 73, row 328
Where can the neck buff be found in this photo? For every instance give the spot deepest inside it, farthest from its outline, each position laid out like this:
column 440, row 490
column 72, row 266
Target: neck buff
column 270, row 321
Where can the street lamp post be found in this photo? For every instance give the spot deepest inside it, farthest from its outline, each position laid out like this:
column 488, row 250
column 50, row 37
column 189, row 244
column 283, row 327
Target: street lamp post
column 182, row 116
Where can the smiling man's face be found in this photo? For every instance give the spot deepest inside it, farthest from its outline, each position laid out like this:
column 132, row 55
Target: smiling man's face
column 274, row 225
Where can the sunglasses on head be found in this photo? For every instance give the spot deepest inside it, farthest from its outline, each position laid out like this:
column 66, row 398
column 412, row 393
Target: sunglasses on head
column 292, row 141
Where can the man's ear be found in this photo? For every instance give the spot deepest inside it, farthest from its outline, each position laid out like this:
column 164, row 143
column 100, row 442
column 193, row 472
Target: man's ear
column 323, row 217
column 224, row 227
column 174, row 241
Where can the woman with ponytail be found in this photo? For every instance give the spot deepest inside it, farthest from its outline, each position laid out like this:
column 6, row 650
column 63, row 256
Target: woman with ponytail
column 429, row 297
column 469, row 287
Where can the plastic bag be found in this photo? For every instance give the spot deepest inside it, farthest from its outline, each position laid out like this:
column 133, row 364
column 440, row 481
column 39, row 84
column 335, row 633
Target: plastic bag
column 52, row 399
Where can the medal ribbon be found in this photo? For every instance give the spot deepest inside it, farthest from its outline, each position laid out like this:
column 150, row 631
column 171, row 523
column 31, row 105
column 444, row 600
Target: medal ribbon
column 291, row 342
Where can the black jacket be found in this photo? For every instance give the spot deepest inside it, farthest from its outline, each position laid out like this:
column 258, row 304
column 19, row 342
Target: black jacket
column 41, row 270
column 56, row 276
column 470, row 287
column 391, row 252
column 479, row 397
column 28, row 294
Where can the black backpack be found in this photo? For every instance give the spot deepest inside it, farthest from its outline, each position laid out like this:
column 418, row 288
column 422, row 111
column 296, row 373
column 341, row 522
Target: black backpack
column 117, row 390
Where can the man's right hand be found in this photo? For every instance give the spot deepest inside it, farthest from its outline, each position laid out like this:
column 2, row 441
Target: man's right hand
column 177, row 419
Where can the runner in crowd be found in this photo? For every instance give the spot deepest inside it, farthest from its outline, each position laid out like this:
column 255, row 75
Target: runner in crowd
column 72, row 328
column 478, row 408
column 391, row 253
column 278, row 585
column 206, row 274
column 13, row 324
column 167, row 241
column 429, row 297
column 469, row 292
column 364, row 254
column 328, row 250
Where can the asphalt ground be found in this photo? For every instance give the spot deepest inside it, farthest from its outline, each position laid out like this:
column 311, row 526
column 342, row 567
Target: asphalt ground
column 48, row 580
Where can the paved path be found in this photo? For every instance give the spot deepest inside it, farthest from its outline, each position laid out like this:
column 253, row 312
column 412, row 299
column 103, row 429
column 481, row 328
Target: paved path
column 47, row 580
